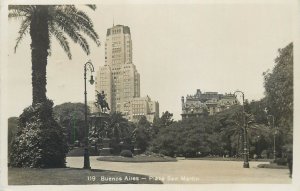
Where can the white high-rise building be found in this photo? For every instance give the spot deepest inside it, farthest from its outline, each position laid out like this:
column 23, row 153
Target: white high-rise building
column 118, row 78
column 142, row 106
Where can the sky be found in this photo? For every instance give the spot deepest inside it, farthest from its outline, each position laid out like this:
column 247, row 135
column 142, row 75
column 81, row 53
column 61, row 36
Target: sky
column 177, row 49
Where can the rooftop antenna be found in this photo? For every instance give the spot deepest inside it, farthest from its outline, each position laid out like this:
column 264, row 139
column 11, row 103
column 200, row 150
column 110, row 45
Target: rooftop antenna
column 113, row 21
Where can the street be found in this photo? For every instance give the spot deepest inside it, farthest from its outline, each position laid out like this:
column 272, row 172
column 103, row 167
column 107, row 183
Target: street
column 193, row 171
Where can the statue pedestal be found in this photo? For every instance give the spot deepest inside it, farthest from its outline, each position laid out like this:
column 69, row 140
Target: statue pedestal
column 99, row 115
column 106, row 150
column 97, row 120
column 97, row 124
column 136, row 150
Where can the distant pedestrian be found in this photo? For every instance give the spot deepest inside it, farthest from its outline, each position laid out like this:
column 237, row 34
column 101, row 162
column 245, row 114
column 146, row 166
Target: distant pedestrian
column 290, row 162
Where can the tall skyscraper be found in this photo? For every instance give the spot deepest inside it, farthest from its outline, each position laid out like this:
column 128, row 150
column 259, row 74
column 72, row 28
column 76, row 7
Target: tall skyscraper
column 118, row 78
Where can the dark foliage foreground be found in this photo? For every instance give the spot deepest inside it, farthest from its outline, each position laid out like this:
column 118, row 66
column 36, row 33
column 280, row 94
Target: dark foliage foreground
column 39, row 142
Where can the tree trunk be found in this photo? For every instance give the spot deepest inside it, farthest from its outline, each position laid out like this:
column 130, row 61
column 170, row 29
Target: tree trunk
column 39, row 52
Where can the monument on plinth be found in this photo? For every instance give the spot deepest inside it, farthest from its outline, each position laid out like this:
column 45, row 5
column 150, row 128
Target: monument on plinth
column 98, row 124
column 105, row 150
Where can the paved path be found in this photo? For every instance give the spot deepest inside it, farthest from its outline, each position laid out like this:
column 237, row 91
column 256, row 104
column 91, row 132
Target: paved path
column 193, row 171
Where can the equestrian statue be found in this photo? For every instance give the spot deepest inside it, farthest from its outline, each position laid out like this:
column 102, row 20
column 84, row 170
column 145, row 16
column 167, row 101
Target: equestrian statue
column 101, row 102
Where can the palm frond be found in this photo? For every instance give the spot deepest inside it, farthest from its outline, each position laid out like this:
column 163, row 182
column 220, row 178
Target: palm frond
column 72, row 24
column 70, row 15
column 93, row 7
column 24, row 29
column 84, row 17
column 58, row 34
column 65, row 24
column 17, row 15
column 20, row 11
column 27, row 9
column 83, row 43
column 86, row 23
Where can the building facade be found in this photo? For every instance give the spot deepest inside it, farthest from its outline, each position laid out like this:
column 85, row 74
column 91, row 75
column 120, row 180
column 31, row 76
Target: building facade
column 138, row 107
column 119, row 78
column 207, row 102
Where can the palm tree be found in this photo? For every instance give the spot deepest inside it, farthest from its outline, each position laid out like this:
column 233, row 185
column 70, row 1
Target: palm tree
column 233, row 129
column 40, row 141
column 43, row 22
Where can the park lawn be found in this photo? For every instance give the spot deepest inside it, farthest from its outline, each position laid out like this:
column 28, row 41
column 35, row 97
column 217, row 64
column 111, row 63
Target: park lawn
column 73, row 176
column 138, row 158
column 272, row 166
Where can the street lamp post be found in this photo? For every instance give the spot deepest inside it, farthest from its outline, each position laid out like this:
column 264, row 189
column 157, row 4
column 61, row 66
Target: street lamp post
column 246, row 160
column 275, row 132
column 87, row 66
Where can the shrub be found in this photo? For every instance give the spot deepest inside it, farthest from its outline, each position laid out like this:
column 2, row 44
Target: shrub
column 126, row 153
column 39, row 142
column 281, row 161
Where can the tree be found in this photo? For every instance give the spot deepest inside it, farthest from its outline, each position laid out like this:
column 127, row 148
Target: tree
column 166, row 119
column 71, row 117
column 231, row 127
column 168, row 141
column 190, row 137
column 196, row 132
column 218, row 134
column 260, row 138
column 161, row 122
column 257, row 109
column 40, row 141
column 279, row 93
column 43, row 22
column 141, row 135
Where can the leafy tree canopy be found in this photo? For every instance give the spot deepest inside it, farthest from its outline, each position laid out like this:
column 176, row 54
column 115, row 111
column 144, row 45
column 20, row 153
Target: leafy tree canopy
column 67, row 111
column 279, row 87
column 166, row 119
column 279, row 91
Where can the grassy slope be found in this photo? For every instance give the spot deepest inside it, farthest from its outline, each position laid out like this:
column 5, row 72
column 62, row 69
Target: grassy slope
column 70, row 176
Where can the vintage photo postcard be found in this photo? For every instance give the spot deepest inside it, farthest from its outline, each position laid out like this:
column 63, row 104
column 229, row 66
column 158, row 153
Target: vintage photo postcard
column 165, row 95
